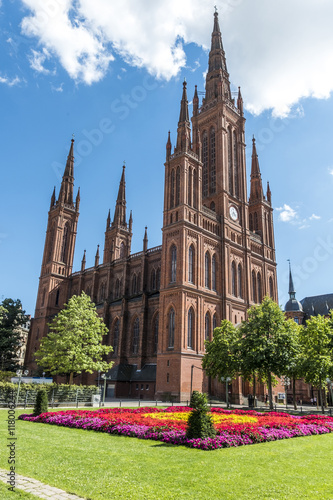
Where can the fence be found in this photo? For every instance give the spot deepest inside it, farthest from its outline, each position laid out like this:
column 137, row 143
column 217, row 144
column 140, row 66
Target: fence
column 57, row 397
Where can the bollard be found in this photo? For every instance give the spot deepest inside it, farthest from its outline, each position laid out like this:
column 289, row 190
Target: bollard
column 25, row 401
column 120, row 403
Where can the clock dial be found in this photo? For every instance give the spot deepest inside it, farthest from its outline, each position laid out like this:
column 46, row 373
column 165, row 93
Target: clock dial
column 233, row 213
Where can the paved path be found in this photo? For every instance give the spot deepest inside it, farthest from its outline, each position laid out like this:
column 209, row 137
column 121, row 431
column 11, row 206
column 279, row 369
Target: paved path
column 37, row 488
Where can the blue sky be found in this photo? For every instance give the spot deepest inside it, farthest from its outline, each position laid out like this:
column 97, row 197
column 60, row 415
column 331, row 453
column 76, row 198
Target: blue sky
column 112, row 75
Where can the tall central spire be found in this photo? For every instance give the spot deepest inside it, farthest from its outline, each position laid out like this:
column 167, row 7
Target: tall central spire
column 120, row 210
column 184, row 127
column 67, row 184
column 256, row 192
column 217, row 78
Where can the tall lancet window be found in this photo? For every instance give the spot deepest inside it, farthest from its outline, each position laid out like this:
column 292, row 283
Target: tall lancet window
column 259, row 287
column 207, row 270
column 212, row 188
column 116, row 338
column 189, row 187
column 173, row 263
column 230, row 169
column 171, row 327
column 236, row 166
column 178, row 186
column 190, row 325
column 239, row 280
column 214, row 273
column 205, row 165
column 64, row 243
column 271, row 289
column 191, row 264
column 254, row 287
column 233, row 279
column 172, row 189
column 194, row 188
column 207, row 326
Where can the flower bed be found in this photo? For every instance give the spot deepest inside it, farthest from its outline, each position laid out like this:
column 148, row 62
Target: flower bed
column 234, row 428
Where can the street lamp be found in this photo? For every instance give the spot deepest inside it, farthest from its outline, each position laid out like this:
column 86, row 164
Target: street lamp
column 286, row 382
column 330, row 384
column 19, row 373
column 104, row 377
column 226, row 380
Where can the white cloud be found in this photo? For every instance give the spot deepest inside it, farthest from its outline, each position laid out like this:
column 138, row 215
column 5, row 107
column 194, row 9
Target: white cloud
column 330, row 171
column 37, row 60
column 60, row 88
column 314, row 217
column 287, row 214
column 10, row 81
column 279, row 52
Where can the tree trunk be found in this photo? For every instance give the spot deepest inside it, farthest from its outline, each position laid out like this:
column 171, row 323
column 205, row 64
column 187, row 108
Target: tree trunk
column 294, row 393
column 270, row 395
column 321, row 397
column 71, row 378
column 254, row 390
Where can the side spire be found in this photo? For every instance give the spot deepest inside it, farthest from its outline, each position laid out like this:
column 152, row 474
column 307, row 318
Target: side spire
column 120, row 210
column 67, row 184
column 240, row 101
column 184, row 128
column 53, row 198
column 168, row 147
column 97, row 257
column 256, row 192
column 83, row 262
column 145, row 241
column 292, row 291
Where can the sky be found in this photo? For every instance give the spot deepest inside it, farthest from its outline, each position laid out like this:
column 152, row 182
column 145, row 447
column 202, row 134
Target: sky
column 111, row 74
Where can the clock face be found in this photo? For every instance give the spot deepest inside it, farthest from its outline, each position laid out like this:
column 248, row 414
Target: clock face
column 233, row 213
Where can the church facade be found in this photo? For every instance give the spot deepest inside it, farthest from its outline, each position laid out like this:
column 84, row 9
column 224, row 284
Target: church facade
column 217, row 256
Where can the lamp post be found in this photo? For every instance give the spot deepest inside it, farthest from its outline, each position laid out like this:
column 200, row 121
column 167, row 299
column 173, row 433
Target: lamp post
column 103, row 376
column 286, row 382
column 226, row 380
column 330, row 383
column 19, row 373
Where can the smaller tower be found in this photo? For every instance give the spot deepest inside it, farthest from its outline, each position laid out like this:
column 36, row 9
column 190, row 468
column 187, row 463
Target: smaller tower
column 118, row 234
column 293, row 309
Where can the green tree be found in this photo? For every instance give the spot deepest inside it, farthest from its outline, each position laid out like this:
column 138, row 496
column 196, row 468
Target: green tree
column 12, row 316
column 74, row 343
column 316, row 340
column 221, row 359
column 267, row 344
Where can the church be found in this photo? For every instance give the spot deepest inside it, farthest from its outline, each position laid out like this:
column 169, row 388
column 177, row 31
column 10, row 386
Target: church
column 217, row 256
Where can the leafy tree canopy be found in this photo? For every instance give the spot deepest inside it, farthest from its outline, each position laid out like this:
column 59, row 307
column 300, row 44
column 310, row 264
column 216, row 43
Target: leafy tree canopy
column 74, row 343
column 12, row 316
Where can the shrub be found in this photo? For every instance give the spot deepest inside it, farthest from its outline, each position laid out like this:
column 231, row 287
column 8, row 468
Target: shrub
column 200, row 423
column 41, row 404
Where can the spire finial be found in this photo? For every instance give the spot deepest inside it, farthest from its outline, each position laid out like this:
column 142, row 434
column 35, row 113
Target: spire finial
column 215, row 9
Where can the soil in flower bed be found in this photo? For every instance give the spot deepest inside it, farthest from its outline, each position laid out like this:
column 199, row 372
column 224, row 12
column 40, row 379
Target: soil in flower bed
column 234, row 428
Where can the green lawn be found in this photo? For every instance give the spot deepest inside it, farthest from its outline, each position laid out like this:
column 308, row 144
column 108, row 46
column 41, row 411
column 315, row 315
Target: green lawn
column 100, row 467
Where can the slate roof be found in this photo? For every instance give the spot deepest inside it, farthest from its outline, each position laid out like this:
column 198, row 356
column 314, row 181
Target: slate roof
column 319, row 304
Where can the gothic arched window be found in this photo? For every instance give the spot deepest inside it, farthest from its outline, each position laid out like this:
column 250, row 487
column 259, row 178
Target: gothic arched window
column 251, row 222
column 57, row 298
column 178, row 186
column 51, row 240
column 254, row 287
column 136, row 330
column 122, row 250
column 214, row 273
column 214, row 321
column 173, row 263
column 205, row 165
column 259, row 287
column 207, row 326
column 138, row 284
column 116, row 338
column 171, row 327
column 236, row 166
column 212, row 180
column 207, row 270
column 230, row 167
column 271, row 289
column 233, row 279
column 256, row 221
column 190, row 186
column 239, row 281
column 155, row 334
column 117, row 289
column 190, row 328
column 172, row 189
column 191, row 264
column 64, row 246
column 194, row 188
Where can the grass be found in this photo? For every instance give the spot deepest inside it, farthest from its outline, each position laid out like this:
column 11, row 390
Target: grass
column 101, row 467
column 16, row 495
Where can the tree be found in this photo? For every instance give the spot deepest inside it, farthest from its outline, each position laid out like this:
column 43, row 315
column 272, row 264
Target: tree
column 41, row 403
column 200, row 422
column 295, row 369
column 74, row 343
column 268, row 343
column 316, row 340
column 12, row 316
column 221, row 359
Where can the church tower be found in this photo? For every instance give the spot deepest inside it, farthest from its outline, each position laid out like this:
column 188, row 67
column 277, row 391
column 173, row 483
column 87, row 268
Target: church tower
column 214, row 265
column 118, row 234
column 57, row 263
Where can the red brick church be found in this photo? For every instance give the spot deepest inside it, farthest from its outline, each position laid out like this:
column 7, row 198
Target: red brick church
column 217, row 256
